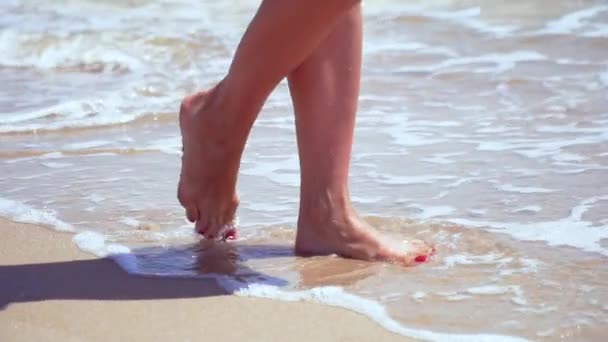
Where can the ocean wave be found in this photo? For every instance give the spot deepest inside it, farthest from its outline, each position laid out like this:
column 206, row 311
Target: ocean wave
column 559, row 232
column 336, row 296
column 85, row 51
column 21, row 212
column 113, row 109
column 573, row 22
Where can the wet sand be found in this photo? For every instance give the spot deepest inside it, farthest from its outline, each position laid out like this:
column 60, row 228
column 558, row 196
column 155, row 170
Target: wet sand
column 51, row 291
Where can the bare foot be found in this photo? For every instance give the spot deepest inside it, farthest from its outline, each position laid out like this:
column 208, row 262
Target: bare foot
column 341, row 231
column 210, row 162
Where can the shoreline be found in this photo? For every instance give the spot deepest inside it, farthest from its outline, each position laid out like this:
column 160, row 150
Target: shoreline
column 53, row 291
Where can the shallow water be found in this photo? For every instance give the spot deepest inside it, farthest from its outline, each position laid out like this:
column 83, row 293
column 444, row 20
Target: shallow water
column 482, row 128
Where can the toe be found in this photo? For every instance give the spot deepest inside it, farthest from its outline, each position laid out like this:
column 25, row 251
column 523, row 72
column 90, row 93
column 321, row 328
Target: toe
column 424, row 252
column 230, row 234
column 421, row 258
column 212, row 231
column 227, row 232
column 415, row 252
column 201, row 227
column 192, row 213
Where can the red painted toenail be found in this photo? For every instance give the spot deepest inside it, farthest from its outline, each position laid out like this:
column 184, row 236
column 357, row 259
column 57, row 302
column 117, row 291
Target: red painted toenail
column 201, row 229
column 230, row 235
column 420, row 258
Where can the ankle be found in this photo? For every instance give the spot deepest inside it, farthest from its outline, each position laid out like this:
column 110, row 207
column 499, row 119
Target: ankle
column 325, row 205
column 233, row 97
column 224, row 121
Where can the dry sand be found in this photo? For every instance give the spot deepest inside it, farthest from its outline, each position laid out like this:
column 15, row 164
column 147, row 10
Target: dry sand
column 51, row 291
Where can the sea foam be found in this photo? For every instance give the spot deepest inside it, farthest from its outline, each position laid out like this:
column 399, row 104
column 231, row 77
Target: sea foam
column 21, row 212
column 336, row 296
column 558, row 232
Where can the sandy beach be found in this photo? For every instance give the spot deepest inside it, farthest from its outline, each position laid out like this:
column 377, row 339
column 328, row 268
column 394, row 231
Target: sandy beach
column 51, row 291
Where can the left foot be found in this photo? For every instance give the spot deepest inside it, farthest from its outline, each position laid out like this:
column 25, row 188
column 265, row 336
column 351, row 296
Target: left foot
column 210, row 162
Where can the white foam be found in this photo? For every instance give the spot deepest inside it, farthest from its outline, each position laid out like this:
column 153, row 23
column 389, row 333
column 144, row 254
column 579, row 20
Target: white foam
column 418, row 296
column 63, row 50
column 496, row 129
column 569, row 157
column 55, row 165
column 523, row 189
column 78, row 112
column 388, row 46
column 603, row 76
column 546, row 333
column 470, row 18
column 542, row 309
column 459, row 182
column 502, row 61
column 519, row 300
column 410, row 139
column 366, row 199
column 572, row 21
column 130, row 221
column 428, row 212
column 456, row 297
column 477, row 212
column 492, row 289
column 21, row 212
column 408, row 180
column 568, row 231
column 97, row 245
column 52, row 155
column 569, row 128
column 437, row 159
column 284, row 171
column 536, row 148
column 93, row 197
column 405, row 135
column 467, row 17
column 438, row 123
column 529, row 208
column 489, row 290
column 269, row 207
column 597, row 30
column 86, row 144
column 32, row 176
column 530, row 265
column 485, row 259
column 495, row 146
column 111, row 109
column 172, row 145
column 336, row 296
column 442, row 158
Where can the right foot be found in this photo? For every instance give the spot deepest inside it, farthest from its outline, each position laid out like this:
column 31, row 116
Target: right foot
column 210, row 163
column 340, row 231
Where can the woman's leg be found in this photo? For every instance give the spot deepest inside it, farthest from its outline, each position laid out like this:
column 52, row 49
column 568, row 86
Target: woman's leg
column 325, row 90
column 215, row 123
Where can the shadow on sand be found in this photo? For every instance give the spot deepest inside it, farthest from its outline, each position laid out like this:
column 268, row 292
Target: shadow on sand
column 103, row 279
